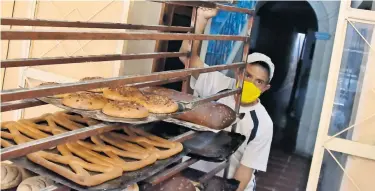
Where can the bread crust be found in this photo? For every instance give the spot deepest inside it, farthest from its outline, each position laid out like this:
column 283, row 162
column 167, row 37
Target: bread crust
column 160, row 104
column 51, row 161
column 96, row 90
column 85, row 101
column 11, row 176
column 154, row 103
column 125, row 109
column 35, row 183
column 102, row 154
column 124, row 93
column 213, row 115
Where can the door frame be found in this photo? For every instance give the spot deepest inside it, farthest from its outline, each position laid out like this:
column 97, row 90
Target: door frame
column 323, row 140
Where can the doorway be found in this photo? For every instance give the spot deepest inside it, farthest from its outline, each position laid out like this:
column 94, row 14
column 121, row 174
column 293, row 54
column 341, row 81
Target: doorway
column 284, row 30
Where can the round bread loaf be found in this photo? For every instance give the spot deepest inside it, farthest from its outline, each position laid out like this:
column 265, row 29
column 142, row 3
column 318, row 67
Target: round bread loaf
column 96, row 90
column 160, row 104
column 25, row 173
column 174, row 184
column 124, row 93
column 125, row 109
column 35, row 183
column 53, row 83
column 213, row 115
column 85, row 101
column 11, row 176
column 172, row 94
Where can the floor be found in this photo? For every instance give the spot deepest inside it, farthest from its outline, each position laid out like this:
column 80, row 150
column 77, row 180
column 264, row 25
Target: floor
column 285, row 172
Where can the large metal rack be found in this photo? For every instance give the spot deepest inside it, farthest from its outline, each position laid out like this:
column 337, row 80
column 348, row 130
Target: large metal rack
column 25, row 97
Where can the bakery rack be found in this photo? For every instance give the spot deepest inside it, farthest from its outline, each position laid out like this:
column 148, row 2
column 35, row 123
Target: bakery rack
column 20, row 98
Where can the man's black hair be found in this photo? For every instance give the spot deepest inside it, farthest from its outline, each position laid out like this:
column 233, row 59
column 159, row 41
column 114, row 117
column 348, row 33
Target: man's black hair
column 263, row 65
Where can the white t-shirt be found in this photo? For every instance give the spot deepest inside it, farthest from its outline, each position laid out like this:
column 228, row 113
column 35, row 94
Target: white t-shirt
column 254, row 152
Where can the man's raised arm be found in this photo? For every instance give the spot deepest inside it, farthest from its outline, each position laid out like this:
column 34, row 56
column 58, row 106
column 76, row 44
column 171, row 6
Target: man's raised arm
column 204, row 14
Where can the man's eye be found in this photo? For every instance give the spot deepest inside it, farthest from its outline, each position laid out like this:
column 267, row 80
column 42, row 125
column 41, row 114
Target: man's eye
column 259, row 81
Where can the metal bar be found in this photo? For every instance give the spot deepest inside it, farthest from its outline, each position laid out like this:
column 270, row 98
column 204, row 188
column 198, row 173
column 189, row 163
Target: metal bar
column 213, row 172
column 79, row 24
column 235, row 9
column 82, row 59
column 165, row 18
column 73, row 35
column 25, row 93
column 166, row 174
column 158, row 82
column 52, row 141
column 244, row 59
column 199, row 101
column 58, row 187
column 209, row 4
column 240, row 79
column 20, row 104
column 185, row 136
column 185, row 84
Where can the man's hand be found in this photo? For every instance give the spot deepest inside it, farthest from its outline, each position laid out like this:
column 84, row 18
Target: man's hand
column 206, row 13
column 243, row 174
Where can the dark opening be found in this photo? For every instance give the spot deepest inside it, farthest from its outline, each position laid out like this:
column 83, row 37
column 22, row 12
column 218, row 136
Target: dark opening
column 284, row 30
column 180, row 18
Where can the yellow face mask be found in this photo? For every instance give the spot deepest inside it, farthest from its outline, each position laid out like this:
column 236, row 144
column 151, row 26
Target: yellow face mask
column 250, row 92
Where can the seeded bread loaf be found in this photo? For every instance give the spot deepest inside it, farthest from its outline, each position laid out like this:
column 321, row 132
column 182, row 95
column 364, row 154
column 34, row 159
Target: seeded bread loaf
column 159, row 104
column 213, row 115
column 125, row 109
column 85, row 101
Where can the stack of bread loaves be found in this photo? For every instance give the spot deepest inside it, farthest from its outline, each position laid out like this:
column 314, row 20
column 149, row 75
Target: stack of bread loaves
column 13, row 176
column 123, row 101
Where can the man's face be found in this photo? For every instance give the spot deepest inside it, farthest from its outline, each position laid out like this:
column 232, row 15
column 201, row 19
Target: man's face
column 258, row 75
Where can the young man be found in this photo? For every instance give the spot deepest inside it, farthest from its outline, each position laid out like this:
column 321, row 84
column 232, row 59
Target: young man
column 257, row 126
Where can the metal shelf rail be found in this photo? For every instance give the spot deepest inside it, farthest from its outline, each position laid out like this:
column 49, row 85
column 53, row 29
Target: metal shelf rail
column 26, row 97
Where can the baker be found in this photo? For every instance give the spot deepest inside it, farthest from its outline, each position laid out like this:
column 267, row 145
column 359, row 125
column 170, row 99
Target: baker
column 257, row 125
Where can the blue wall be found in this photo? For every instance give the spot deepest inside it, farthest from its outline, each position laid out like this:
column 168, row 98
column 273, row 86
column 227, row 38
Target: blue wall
column 226, row 23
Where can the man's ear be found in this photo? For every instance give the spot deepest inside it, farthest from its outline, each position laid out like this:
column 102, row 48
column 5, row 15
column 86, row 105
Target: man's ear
column 267, row 87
